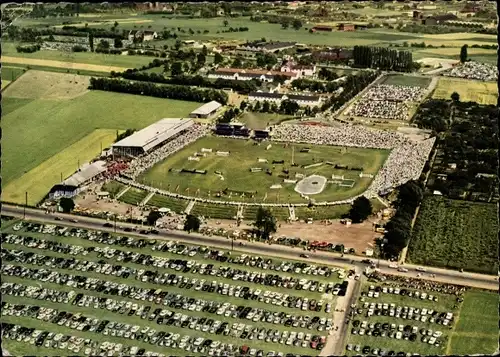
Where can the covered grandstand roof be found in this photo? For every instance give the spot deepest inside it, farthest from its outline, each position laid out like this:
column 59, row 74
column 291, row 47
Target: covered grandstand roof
column 155, row 134
column 86, row 172
column 207, row 108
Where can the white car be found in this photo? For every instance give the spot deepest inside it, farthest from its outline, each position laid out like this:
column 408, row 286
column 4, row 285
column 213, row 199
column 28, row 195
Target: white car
column 420, row 269
column 393, row 266
column 403, row 270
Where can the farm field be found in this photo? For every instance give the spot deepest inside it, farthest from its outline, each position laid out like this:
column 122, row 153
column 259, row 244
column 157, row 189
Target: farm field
column 75, row 60
column 243, row 156
column 477, row 327
column 171, row 307
column 60, row 70
column 39, row 180
column 456, row 234
column 262, row 120
column 47, row 127
column 401, row 80
column 474, row 91
column 374, row 293
column 5, row 83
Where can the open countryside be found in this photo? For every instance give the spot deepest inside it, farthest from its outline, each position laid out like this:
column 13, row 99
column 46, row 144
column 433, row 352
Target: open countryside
column 250, row 179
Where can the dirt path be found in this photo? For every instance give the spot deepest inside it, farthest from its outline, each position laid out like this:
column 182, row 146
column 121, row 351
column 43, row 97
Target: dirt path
column 61, row 64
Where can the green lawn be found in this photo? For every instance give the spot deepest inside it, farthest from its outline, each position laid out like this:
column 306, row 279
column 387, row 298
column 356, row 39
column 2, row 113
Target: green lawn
column 11, row 73
column 9, row 50
column 113, row 187
column 262, row 120
column 243, row 155
column 401, row 80
column 133, row 196
column 214, row 211
column 477, row 327
column 456, row 234
column 175, row 205
column 46, row 127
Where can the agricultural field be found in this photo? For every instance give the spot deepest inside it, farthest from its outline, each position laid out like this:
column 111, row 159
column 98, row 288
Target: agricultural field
column 39, row 180
column 476, row 331
column 48, row 126
column 240, row 184
column 262, row 120
column 97, row 62
column 469, row 90
column 202, row 317
column 401, row 80
column 456, row 234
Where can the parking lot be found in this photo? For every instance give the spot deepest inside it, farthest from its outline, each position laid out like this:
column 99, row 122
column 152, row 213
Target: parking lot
column 104, row 288
column 397, row 320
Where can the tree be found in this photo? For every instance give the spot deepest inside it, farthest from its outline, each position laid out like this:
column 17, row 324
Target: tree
column 176, row 69
column 153, row 216
column 177, row 45
column 265, row 222
column 237, row 63
column 284, row 25
column 201, row 59
column 455, row 97
column 243, row 105
column 118, row 43
column 116, row 24
column 91, row 41
column 289, row 107
column 218, row 58
column 296, row 24
column 204, row 50
column 67, row 204
column 463, row 54
column 192, row 223
column 266, row 107
column 225, row 22
column 361, row 209
column 166, row 67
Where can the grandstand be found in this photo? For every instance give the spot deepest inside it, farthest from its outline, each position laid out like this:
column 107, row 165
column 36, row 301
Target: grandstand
column 149, row 138
column 232, row 129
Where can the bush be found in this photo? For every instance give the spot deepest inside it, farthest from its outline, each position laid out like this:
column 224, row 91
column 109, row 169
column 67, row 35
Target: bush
column 79, row 48
column 28, row 48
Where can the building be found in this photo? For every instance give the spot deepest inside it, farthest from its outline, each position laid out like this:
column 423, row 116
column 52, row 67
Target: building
column 301, row 99
column 346, row 27
column 438, row 19
column 145, row 35
column 151, row 137
column 322, row 28
column 301, row 70
column 77, row 182
column 232, row 129
column 417, row 15
column 249, row 74
column 335, row 54
column 206, row 110
column 269, row 47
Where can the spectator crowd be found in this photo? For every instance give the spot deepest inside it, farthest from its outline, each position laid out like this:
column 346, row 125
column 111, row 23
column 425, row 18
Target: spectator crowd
column 142, row 163
column 387, row 102
column 475, row 70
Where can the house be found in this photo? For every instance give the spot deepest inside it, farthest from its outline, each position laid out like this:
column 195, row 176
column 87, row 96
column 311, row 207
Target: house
column 145, row 35
column 346, row 27
column 322, row 28
column 301, row 99
column 269, row 47
column 249, row 74
column 302, row 70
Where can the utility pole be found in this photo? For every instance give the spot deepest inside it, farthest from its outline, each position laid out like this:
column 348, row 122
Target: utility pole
column 115, row 222
column 25, row 204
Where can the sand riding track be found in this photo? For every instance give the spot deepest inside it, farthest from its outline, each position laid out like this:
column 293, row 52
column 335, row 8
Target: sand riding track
column 61, row 64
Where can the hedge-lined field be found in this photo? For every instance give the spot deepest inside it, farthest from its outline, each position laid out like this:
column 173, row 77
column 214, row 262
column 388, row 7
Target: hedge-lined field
column 175, row 205
column 456, row 234
column 133, row 196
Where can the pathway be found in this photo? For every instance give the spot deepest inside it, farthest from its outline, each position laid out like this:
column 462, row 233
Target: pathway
column 146, row 199
column 120, row 194
column 384, row 202
column 239, row 214
column 189, row 207
column 291, row 209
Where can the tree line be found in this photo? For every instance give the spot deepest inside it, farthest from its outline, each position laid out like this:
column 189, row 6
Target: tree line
column 159, row 91
column 382, row 58
column 28, row 49
column 398, row 228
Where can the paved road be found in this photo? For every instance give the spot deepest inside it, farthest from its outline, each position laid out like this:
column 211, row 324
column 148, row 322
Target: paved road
column 348, row 261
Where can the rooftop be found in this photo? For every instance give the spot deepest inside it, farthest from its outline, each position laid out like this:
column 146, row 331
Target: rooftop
column 155, row 133
column 86, row 172
column 207, row 108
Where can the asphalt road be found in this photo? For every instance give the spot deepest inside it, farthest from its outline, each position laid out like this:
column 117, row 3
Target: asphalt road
column 347, row 261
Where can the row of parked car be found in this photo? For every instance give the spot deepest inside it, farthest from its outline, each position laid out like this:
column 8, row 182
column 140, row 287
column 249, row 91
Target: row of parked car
column 367, row 350
column 142, row 275
column 72, row 343
column 145, row 334
column 182, row 249
column 375, row 291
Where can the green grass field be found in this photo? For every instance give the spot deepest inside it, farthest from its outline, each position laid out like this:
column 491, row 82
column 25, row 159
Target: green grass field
column 477, row 327
column 401, row 80
column 38, row 181
column 59, row 70
column 243, row 156
column 469, row 90
column 124, row 61
column 214, row 211
column 46, row 127
column 262, row 120
column 113, row 187
column 159, row 201
column 11, row 73
column 133, row 196
column 456, row 234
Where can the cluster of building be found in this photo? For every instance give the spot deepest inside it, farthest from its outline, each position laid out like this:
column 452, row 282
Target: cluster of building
column 142, row 34
column 300, row 99
column 249, row 74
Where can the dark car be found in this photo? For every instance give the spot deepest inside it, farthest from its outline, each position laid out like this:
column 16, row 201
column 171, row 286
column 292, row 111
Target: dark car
column 107, row 225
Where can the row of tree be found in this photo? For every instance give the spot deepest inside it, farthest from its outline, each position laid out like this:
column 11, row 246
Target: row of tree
column 398, row 228
column 160, row 91
column 28, row 49
column 243, row 87
column 229, row 115
column 382, row 58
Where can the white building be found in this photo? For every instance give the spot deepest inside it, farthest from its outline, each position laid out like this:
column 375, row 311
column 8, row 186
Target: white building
column 249, row 74
column 302, row 100
column 206, row 110
column 78, row 181
column 301, row 70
